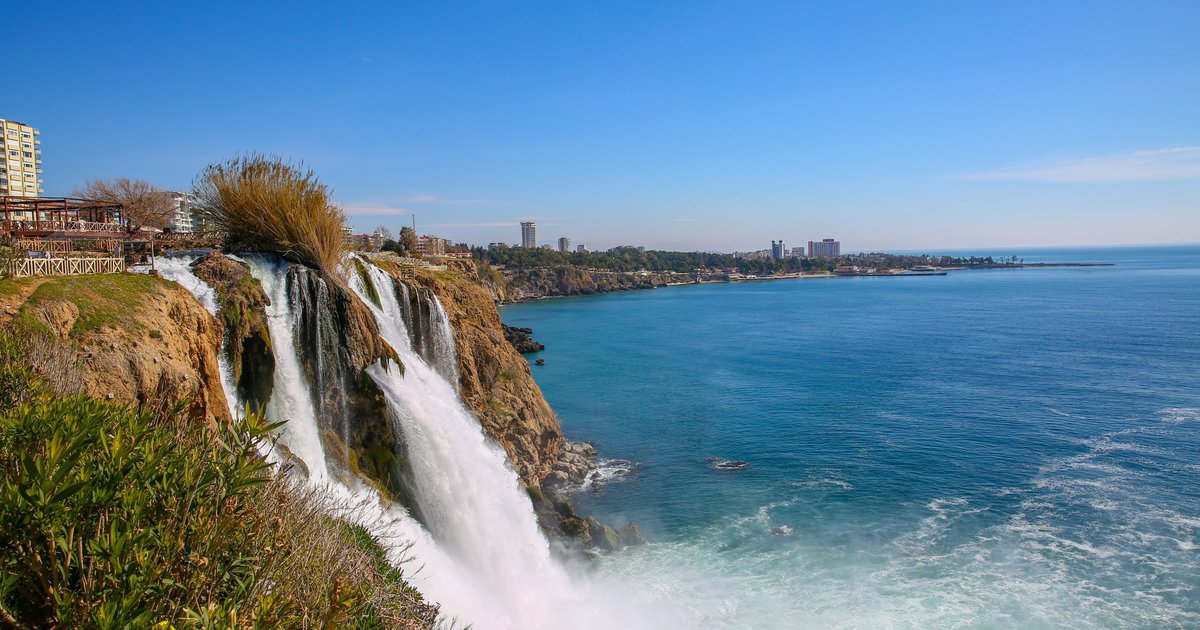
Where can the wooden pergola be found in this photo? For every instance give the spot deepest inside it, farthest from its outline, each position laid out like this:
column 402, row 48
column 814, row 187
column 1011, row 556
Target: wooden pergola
column 64, row 217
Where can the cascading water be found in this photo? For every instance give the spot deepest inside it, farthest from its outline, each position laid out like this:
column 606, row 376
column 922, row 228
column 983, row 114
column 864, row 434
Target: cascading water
column 469, row 500
column 480, row 552
column 428, row 329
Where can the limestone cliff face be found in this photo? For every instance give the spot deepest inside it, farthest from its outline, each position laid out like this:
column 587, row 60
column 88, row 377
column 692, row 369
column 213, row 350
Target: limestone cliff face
column 495, row 381
column 527, row 284
column 242, row 308
column 137, row 339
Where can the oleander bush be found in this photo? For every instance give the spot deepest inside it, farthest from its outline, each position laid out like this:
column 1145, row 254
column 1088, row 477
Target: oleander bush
column 112, row 517
column 264, row 204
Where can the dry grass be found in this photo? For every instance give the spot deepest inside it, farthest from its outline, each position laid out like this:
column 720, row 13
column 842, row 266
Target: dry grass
column 323, row 553
column 265, row 204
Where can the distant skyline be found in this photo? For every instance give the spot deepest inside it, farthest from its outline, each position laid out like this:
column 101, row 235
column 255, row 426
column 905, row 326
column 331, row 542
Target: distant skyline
column 690, row 126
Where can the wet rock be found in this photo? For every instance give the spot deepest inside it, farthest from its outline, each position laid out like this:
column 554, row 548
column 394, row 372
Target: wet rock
column 631, row 534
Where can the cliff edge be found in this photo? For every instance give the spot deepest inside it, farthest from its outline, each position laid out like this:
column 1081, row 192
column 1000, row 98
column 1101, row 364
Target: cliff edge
column 136, row 339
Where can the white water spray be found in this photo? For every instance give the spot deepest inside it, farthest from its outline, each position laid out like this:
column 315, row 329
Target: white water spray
column 480, row 553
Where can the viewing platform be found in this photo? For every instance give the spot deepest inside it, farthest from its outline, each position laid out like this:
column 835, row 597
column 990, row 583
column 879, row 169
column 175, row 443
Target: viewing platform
column 60, row 217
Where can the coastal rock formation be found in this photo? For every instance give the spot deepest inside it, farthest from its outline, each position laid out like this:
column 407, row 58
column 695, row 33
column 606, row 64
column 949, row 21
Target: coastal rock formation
column 131, row 338
column 521, row 340
column 242, row 306
column 576, row 461
column 527, row 284
column 494, row 380
column 337, row 340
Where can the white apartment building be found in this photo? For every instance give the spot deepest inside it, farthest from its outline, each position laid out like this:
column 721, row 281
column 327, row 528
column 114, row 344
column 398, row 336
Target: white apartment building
column 179, row 218
column 528, row 234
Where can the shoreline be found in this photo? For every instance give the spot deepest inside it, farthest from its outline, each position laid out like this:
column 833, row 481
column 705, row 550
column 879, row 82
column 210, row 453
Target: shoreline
column 807, row 276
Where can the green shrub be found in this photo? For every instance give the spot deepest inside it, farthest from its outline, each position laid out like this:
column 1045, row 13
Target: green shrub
column 368, row 284
column 264, row 204
column 111, row 517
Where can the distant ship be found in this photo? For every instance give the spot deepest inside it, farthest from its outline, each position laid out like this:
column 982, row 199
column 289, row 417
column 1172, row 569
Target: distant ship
column 922, row 270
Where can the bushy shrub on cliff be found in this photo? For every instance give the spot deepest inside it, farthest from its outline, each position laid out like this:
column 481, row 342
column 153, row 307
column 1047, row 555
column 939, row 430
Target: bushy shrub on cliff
column 112, row 518
column 264, row 204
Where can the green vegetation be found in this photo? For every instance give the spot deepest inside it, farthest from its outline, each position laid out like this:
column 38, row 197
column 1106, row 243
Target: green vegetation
column 629, row 259
column 8, row 255
column 266, row 205
column 369, row 284
column 111, row 517
column 101, row 300
column 406, row 245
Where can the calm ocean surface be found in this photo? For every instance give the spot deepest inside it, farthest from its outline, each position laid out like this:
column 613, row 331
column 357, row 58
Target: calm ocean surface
column 1008, row 448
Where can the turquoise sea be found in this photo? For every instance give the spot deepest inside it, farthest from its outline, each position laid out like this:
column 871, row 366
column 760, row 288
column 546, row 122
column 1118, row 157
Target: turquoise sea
column 1006, row 448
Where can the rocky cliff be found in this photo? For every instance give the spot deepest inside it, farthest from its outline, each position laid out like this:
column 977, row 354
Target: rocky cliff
column 533, row 283
column 131, row 338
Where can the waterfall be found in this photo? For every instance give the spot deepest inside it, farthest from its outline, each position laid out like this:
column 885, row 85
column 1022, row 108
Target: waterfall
column 474, row 540
column 291, row 398
column 469, row 499
column 428, row 328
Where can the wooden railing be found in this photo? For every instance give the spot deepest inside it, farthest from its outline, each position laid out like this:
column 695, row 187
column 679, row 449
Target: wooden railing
column 26, row 267
column 39, row 245
column 61, row 226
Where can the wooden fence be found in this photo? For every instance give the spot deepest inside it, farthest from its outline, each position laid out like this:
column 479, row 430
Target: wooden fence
column 26, row 267
column 39, row 245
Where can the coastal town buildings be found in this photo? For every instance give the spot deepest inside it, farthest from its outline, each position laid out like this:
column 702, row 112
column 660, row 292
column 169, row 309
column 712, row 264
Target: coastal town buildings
column 581, row 249
column 825, row 248
column 179, row 217
column 432, row 245
column 564, row 244
column 364, row 242
column 528, row 234
column 777, row 250
column 797, row 252
column 21, row 160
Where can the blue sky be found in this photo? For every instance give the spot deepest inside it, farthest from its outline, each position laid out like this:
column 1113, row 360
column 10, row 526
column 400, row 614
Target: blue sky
column 684, row 125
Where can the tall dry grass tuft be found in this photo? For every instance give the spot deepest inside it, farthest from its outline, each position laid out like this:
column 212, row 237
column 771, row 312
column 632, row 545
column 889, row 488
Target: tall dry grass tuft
column 264, row 204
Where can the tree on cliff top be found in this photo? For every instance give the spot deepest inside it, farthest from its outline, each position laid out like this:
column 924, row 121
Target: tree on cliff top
column 142, row 203
column 267, row 205
column 408, row 239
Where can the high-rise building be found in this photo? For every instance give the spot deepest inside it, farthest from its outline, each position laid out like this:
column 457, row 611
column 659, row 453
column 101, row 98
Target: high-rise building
column 797, row 252
column 776, row 250
column 580, row 249
column 21, row 160
column 564, row 244
column 826, row 248
column 528, row 234
column 179, row 218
